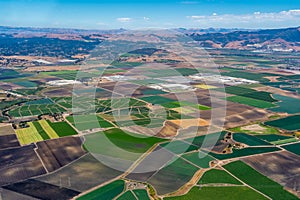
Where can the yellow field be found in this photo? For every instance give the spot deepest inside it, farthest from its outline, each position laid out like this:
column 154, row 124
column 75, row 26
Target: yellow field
column 186, row 123
column 47, row 128
column 28, row 135
column 184, row 110
column 206, row 87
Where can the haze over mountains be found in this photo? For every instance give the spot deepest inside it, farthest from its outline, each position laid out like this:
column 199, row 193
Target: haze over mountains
column 268, row 40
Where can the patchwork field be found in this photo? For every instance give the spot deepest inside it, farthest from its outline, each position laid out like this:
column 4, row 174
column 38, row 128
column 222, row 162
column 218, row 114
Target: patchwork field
column 57, row 153
column 28, row 135
column 258, row 181
column 108, row 192
column 289, row 123
column 224, row 193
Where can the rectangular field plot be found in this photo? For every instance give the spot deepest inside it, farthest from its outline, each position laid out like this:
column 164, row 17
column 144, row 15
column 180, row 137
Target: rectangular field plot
column 141, row 194
column 290, row 123
column 251, row 102
column 199, row 158
column 218, row 176
column 41, row 190
column 244, row 152
column 6, row 130
column 127, row 196
column 28, row 135
column 57, row 153
column 106, row 143
column 284, row 104
column 41, row 131
column 18, row 164
column 177, row 172
column 8, row 141
column 85, row 122
column 258, row 181
column 108, row 192
column 81, row 175
column 294, row 148
column 157, row 99
column 62, row 129
column 224, row 193
column 178, row 147
column 50, row 132
column 277, row 139
column 249, row 139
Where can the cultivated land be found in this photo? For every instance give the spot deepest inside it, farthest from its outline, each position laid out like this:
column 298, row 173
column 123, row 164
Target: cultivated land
column 152, row 126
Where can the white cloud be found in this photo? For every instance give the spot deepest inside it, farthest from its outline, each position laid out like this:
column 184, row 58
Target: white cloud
column 254, row 18
column 124, row 19
column 146, row 18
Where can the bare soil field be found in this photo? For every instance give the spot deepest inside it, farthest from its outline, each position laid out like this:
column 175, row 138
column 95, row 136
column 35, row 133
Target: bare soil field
column 186, row 123
column 283, row 167
column 8, row 141
column 6, row 129
column 81, row 175
column 52, row 68
column 41, row 190
column 59, row 152
column 18, row 164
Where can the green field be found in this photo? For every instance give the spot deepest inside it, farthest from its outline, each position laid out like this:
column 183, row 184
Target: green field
column 127, row 196
column 207, row 140
column 45, row 125
column 178, row 147
column 199, row 158
column 26, row 84
column 222, row 193
column 295, row 148
column 218, row 176
column 244, row 152
column 141, row 194
column 290, row 123
column 157, row 100
column 34, row 110
column 107, row 192
column 249, row 139
column 277, row 139
column 177, row 172
column 250, row 102
column 85, row 122
column 62, row 128
column 40, row 102
column 258, row 181
column 285, row 103
column 177, row 104
column 41, row 131
column 119, row 144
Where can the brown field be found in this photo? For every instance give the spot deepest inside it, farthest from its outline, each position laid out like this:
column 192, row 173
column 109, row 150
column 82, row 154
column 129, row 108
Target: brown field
column 8, row 194
column 6, row 129
column 186, row 123
column 81, row 175
column 58, row 92
column 25, row 164
column 8, row 141
column 283, row 167
column 169, row 130
column 59, row 152
column 277, row 91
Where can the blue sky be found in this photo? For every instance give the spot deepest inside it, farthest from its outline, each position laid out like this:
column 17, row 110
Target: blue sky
column 134, row 14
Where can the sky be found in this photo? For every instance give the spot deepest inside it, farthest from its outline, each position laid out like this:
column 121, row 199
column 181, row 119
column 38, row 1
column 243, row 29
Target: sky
column 145, row 14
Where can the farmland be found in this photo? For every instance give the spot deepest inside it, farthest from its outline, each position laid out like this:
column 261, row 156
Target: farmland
column 258, row 181
column 218, row 176
column 108, row 192
column 28, row 135
column 224, row 193
column 149, row 123
column 289, row 123
column 251, row 102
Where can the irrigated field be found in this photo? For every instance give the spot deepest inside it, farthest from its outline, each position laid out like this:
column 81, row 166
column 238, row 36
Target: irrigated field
column 224, row 193
column 108, row 192
column 289, row 123
column 258, row 181
column 218, row 176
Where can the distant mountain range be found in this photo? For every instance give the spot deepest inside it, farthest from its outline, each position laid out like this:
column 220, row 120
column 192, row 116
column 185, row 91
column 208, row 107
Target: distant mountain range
column 268, row 40
column 287, row 39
